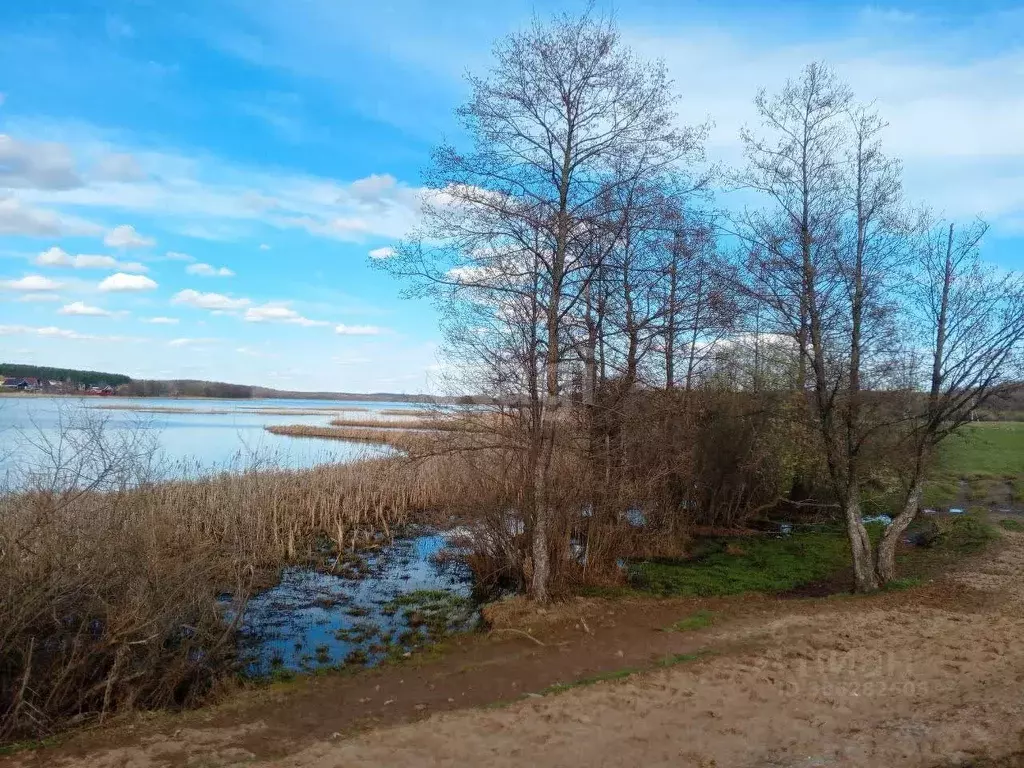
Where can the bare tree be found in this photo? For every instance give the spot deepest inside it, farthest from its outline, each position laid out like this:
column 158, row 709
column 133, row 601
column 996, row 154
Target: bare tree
column 821, row 259
column 970, row 317
column 565, row 118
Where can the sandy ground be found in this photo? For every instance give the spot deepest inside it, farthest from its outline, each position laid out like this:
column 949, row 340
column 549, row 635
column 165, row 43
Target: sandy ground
column 925, row 683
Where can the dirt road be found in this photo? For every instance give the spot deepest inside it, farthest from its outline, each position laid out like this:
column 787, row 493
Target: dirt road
column 932, row 677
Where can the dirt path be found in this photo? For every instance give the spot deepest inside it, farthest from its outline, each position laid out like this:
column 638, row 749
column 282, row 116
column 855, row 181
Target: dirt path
column 930, row 677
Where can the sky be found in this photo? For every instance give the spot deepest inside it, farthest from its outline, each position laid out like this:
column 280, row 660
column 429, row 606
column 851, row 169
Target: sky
column 198, row 189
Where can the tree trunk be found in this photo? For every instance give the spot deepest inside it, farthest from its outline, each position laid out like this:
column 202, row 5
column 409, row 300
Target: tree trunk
column 541, row 563
column 885, row 567
column 860, row 548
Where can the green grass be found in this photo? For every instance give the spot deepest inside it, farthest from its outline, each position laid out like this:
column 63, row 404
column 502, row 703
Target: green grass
column 984, row 457
column 750, row 565
column 698, row 620
column 992, row 449
column 1010, row 524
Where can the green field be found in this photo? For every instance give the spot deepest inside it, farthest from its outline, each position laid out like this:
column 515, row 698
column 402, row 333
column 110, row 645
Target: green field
column 993, row 449
column 983, row 462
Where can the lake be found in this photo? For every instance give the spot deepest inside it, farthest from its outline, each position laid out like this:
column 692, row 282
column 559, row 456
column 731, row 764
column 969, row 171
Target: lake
column 191, row 436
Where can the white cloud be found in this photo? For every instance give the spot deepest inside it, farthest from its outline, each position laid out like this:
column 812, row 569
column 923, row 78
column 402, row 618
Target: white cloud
column 382, row 253
column 36, row 165
column 215, row 301
column 52, row 331
column 38, row 297
column 92, row 261
column 175, row 256
column 58, row 257
column 31, row 283
column 279, row 313
column 125, row 236
column 53, row 257
column 264, row 247
column 204, row 196
column 190, row 342
column 358, row 330
column 82, row 309
column 17, row 218
column 207, row 270
column 161, row 320
column 118, row 167
column 956, row 121
column 120, row 281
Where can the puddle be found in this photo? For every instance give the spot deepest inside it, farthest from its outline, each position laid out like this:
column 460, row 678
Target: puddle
column 401, row 598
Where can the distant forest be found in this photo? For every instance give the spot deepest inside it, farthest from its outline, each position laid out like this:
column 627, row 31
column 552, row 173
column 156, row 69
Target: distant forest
column 64, row 375
column 129, row 387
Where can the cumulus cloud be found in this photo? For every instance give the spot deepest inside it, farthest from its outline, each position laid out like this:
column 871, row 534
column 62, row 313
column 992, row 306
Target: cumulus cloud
column 121, row 282
column 208, row 270
column 31, row 283
column 58, row 257
column 176, row 256
column 358, row 330
column 214, row 301
column 125, row 236
column 279, row 313
column 82, row 309
column 36, row 165
column 382, row 253
column 161, row 320
column 264, row 247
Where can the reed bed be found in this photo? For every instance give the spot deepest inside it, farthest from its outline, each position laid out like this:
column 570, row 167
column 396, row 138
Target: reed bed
column 402, row 438
column 459, row 423
column 109, row 578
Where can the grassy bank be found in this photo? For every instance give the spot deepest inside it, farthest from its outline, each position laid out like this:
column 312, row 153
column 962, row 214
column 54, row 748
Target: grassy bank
column 775, row 564
column 984, row 463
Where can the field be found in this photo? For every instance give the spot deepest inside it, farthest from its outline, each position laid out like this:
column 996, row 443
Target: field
column 983, row 464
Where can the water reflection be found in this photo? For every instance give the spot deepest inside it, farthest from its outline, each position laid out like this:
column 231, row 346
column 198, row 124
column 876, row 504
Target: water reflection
column 190, row 435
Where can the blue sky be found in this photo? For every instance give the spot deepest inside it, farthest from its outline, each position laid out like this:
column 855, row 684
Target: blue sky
column 194, row 189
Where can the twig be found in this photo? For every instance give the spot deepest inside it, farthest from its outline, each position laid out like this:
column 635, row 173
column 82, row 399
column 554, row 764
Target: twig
column 518, row 632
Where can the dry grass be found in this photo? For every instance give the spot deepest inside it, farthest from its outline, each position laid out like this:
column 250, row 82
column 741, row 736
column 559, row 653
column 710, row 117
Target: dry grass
column 406, row 440
column 416, row 413
column 443, row 424
column 109, row 576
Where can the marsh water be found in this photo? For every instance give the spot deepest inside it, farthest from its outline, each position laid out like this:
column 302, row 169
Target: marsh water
column 387, row 602
column 189, row 435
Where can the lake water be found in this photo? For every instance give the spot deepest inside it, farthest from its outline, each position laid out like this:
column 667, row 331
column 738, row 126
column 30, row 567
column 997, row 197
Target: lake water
column 191, row 436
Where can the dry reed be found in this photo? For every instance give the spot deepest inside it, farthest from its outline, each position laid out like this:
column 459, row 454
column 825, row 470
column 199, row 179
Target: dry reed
column 109, row 578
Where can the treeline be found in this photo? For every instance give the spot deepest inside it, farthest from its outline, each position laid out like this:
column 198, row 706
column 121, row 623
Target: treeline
column 680, row 361
column 64, row 375
column 184, row 388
